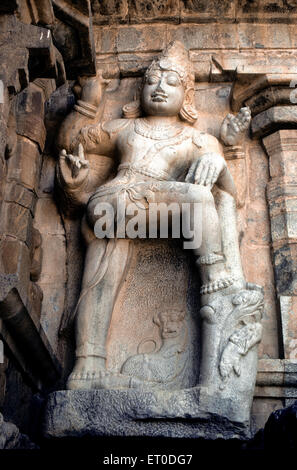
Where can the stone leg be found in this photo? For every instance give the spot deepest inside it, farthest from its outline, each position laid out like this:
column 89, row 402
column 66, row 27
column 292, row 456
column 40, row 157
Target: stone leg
column 210, row 256
column 105, row 264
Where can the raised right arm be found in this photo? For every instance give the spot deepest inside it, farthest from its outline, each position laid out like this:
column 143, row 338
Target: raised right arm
column 86, row 147
column 83, row 124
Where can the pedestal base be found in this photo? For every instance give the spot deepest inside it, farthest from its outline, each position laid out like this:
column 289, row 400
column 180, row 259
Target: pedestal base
column 182, row 414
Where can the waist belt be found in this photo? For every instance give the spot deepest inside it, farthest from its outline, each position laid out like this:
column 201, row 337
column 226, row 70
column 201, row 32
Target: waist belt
column 159, row 175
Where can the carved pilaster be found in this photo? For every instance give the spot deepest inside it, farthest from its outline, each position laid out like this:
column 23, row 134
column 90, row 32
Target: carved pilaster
column 281, row 147
column 274, row 119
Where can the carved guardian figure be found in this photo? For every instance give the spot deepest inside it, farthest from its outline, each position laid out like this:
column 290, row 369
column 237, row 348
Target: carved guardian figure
column 161, row 157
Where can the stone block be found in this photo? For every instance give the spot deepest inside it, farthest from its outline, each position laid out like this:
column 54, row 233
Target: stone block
column 288, row 313
column 105, row 38
column 52, row 310
column 274, row 119
column 202, row 36
column 18, row 221
column 35, row 297
column 269, row 97
column 14, row 267
column 276, row 373
column 24, row 164
column 284, row 225
column 53, row 261
column 18, row 194
column 254, row 76
column 137, row 38
column 131, row 65
column 148, row 11
column 266, row 11
column 47, row 177
column 11, row 438
column 36, row 255
column 110, row 12
column 47, row 217
column 285, row 262
column 259, row 36
column 30, row 115
column 281, row 146
column 47, row 85
column 135, row 413
column 207, row 11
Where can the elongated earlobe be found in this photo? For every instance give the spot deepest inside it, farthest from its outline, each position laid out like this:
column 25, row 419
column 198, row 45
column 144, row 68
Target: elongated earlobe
column 132, row 110
column 188, row 111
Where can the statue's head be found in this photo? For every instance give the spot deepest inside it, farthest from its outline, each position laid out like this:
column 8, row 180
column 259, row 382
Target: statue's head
column 168, row 88
column 170, row 322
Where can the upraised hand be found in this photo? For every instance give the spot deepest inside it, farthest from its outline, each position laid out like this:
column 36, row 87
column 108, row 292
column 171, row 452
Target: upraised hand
column 233, row 126
column 73, row 168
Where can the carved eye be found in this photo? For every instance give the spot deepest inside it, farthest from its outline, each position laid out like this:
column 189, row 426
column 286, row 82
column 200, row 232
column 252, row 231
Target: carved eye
column 173, row 80
column 152, row 79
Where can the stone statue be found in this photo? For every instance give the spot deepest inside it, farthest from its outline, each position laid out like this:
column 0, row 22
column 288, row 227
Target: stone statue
column 161, row 157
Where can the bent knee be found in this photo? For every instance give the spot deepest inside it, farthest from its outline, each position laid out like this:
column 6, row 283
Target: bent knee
column 199, row 193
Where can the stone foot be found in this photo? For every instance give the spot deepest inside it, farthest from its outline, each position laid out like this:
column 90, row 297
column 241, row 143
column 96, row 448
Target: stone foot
column 91, row 380
column 111, row 381
column 85, row 373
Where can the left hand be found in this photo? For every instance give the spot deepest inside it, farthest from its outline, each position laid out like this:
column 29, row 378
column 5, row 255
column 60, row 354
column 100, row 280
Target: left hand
column 233, row 127
column 207, row 169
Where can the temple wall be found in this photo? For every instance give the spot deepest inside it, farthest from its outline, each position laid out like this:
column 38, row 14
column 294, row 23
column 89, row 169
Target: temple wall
column 243, row 53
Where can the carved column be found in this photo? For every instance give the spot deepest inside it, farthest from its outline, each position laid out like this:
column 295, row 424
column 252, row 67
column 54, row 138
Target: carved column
column 281, row 147
column 275, row 122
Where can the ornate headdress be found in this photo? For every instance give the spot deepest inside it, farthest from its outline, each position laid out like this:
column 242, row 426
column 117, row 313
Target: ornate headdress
column 176, row 58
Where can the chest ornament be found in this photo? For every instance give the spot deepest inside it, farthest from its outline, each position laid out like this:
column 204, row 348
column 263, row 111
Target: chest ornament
column 143, row 128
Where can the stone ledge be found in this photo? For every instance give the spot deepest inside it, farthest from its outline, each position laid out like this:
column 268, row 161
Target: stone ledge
column 78, row 413
column 277, row 378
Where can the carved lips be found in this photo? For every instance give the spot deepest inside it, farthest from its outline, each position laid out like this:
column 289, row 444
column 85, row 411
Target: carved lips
column 159, row 97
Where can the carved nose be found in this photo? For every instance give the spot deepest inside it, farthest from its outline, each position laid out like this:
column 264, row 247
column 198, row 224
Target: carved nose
column 160, row 87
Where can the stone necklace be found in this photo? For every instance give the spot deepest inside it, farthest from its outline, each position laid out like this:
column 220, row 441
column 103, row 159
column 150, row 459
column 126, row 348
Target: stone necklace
column 143, row 128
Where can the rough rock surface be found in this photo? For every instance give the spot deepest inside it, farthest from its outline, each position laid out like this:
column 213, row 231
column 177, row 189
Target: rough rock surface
column 135, row 413
column 11, row 438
